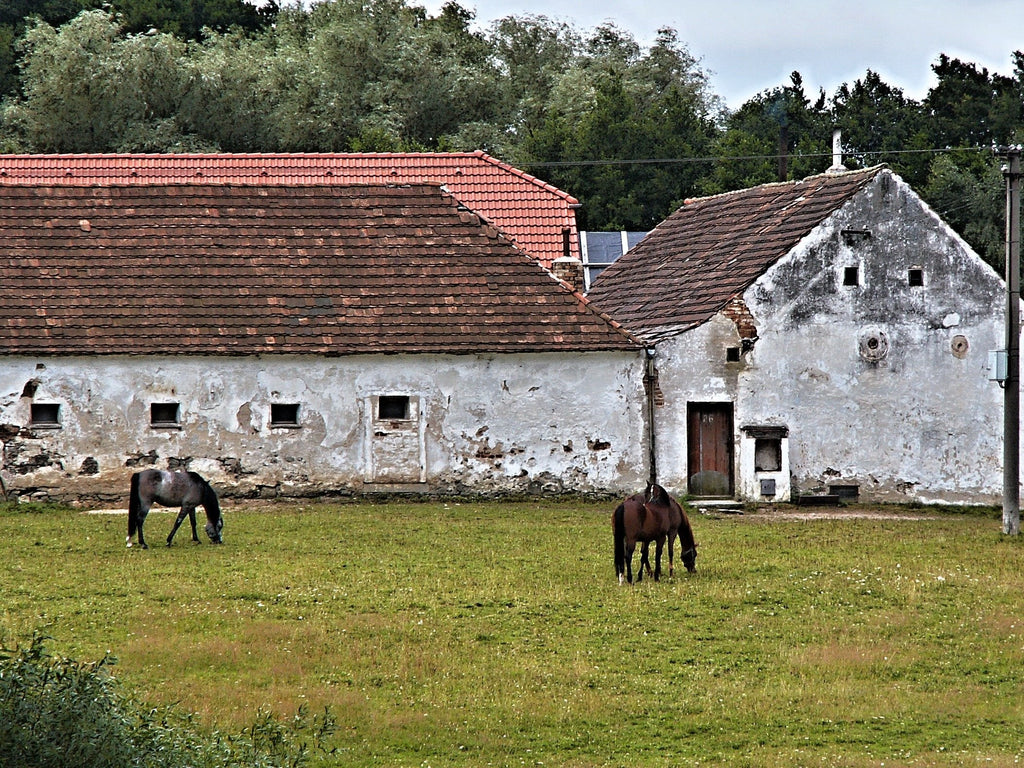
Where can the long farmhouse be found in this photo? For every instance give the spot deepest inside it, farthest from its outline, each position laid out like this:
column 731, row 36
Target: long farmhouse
column 298, row 340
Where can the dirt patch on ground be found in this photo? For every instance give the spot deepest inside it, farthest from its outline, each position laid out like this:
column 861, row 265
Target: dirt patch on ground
column 793, row 512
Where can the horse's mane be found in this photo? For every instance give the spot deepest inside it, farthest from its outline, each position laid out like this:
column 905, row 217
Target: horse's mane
column 209, row 502
column 660, row 495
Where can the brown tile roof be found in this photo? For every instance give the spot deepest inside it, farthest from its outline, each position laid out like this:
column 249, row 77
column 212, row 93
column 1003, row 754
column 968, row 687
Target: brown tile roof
column 240, row 269
column 713, row 248
column 532, row 213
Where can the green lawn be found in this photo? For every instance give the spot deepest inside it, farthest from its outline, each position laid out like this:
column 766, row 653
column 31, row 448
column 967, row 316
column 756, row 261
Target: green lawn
column 479, row 634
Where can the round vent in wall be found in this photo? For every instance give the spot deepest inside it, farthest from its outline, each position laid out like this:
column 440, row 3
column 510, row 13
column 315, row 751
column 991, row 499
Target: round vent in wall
column 959, row 347
column 873, row 345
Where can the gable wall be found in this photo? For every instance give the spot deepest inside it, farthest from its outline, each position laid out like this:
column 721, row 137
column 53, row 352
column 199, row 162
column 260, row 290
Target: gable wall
column 874, row 381
column 477, row 424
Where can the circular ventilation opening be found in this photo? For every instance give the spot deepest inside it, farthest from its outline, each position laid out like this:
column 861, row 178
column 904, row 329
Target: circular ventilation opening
column 959, row 346
column 874, row 345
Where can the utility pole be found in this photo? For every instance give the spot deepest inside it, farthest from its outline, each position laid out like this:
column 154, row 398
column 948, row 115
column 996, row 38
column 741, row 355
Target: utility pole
column 1011, row 392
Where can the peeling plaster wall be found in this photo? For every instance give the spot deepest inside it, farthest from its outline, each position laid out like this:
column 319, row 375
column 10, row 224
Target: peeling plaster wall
column 496, row 424
column 881, row 384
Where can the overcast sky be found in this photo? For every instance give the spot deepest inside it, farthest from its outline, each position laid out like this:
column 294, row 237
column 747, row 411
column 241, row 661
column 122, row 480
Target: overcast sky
column 750, row 45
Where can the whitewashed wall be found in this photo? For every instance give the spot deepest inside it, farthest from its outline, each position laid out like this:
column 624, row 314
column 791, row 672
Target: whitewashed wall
column 542, row 423
column 920, row 422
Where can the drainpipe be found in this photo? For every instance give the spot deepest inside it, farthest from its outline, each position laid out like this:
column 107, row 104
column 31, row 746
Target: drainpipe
column 650, row 380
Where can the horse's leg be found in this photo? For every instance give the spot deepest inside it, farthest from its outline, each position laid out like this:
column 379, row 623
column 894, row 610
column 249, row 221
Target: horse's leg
column 178, row 521
column 671, row 566
column 659, row 546
column 644, row 563
column 142, row 518
column 630, row 548
column 192, row 520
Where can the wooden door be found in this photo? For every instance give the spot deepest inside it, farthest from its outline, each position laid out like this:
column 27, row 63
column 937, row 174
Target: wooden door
column 709, row 449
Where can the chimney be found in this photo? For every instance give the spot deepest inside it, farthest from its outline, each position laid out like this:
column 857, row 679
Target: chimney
column 837, row 152
column 569, row 270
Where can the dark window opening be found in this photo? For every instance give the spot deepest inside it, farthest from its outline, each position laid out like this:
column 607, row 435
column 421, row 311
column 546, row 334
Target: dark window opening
column 732, row 354
column 163, row 414
column 284, row 414
column 393, row 407
column 851, row 276
column 45, row 415
column 854, row 237
column 767, row 454
column 915, row 277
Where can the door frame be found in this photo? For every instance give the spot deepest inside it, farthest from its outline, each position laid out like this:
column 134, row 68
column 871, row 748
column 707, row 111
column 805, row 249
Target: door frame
column 719, row 417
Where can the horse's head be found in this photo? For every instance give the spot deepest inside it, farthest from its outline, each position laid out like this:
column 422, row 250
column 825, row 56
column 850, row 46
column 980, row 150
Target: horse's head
column 689, row 558
column 214, row 519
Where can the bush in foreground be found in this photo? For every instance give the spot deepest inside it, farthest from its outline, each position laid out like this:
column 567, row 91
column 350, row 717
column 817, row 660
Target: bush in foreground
column 59, row 713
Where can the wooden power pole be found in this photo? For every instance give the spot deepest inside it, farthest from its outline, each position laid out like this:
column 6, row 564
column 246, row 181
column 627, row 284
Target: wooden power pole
column 1011, row 390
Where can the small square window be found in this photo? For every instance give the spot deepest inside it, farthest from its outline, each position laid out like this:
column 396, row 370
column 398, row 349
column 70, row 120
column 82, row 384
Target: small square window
column 915, row 277
column 851, row 276
column 732, row 354
column 163, row 414
column 284, row 414
column 393, row 407
column 46, row 415
column 767, row 454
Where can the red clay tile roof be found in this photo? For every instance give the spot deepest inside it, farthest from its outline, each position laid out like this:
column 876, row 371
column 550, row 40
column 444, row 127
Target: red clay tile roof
column 256, row 269
column 713, row 248
column 532, row 213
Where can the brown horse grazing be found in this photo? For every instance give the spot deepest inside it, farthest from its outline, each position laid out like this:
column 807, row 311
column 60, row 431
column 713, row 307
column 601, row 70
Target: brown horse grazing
column 634, row 521
column 679, row 525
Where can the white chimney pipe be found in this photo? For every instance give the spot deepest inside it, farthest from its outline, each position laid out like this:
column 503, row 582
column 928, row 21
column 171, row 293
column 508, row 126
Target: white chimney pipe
column 837, row 152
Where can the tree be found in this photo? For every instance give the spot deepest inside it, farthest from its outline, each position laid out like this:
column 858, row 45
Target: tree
column 614, row 111
column 880, row 125
column 971, row 109
column 777, row 135
column 185, row 19
column 15, row 17
column 531, row 54
column 90, row 88
column 968, row 106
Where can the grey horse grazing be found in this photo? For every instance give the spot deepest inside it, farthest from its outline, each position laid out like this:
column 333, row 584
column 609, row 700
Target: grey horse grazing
column 173, row 489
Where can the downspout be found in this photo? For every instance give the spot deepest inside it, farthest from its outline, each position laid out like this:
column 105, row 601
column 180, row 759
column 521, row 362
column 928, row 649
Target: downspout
column 650, row 385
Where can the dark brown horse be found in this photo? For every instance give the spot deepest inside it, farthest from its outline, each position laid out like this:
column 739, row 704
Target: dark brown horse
column 679, row 525
column 632, row 523
column 643, row 518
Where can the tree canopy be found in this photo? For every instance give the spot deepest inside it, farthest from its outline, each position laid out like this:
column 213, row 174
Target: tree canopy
column 629, row 130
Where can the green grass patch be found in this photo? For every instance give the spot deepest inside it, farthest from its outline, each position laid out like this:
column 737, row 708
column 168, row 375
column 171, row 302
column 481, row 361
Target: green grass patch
column 496, row 634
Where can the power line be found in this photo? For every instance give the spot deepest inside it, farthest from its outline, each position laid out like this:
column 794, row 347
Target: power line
column 724, row 158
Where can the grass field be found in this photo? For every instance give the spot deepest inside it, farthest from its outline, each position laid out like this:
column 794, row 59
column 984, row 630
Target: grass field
column 479, row 634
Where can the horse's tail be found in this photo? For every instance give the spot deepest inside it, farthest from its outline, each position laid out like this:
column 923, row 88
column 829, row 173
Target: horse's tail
column 134, row 505
column 619, row 534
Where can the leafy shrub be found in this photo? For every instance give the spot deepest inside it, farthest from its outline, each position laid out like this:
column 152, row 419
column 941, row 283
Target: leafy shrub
column 59, row 713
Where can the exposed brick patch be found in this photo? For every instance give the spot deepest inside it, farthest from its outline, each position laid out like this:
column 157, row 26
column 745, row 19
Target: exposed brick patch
column 737, row 311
